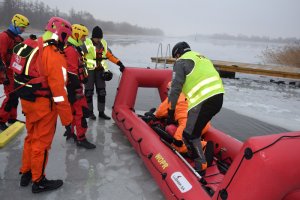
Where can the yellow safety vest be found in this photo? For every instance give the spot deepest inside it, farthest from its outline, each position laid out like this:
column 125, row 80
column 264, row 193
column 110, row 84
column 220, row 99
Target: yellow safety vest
column 104, row 64
column 90, row 57
column 202, row 82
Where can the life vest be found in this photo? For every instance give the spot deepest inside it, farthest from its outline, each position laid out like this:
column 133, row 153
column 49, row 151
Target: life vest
column 16, row 39
column 101, row 55
column 2, row 72
column 3, row 66
column 96, row 56
column 82, row 72
column 26, row 63
column 82, row 67
column 202, row 82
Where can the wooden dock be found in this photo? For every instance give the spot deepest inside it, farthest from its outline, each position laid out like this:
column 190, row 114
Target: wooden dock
column 230, row 68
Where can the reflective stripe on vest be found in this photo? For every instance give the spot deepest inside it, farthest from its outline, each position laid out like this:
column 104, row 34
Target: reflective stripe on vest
column 26, row 72
column 202, row 82
column 22, row 83
column 26, row 69
column 104, row 64
column 91, row 55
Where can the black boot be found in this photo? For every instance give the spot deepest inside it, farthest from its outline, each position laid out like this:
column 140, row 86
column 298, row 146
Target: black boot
column 195, row 149
column 72, row 135
column 11, row 121
column 3, row 126
column 209, row 153
column 45, row 185
column 85, row 144
column 104, row 116
column 25, row 179
column 92, row 116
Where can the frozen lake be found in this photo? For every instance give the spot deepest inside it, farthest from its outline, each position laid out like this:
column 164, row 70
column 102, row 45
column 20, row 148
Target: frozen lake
column 113, row 170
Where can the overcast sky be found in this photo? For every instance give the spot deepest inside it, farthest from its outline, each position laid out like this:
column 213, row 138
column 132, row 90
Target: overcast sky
column 272, row 18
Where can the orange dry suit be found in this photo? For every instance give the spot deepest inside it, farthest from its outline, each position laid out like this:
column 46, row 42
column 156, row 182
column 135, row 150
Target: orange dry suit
column 9, row 106
column 77, row 75
column 180, row 116
column 42, row 73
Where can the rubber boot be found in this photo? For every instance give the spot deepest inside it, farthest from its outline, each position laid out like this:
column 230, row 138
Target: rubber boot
column 3, row 126
column 68, row 136
column 92, row 116
column 46, row 185
column 11, row 121
column 195, row 150
column 104, row 116
column 25, row 179
column 85, row 144
column 199, row 158
column 209, row 153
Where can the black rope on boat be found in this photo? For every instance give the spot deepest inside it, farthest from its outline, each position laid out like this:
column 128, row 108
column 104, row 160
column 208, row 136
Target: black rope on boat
column 140, row 146
column 150, row 155
column 202, row 181
column 164, row 176
column 248, row 154
column 223, row 194
column 211, row 175
column 212, row 183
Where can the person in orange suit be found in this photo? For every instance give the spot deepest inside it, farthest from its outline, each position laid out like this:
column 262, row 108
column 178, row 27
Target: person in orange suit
column 180, row 117
column 77, row 76
column 43, row 98
column 8, row 39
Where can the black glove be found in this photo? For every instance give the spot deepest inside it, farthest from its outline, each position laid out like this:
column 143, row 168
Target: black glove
column 6, row 81
column 177, row 143
column 68, row 132
column 122, row 67
column 33, row 37
column 170, row 118
column 150, row 112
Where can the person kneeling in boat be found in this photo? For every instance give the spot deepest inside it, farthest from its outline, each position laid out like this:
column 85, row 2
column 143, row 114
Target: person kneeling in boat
column 195, row 76
column 180, row 117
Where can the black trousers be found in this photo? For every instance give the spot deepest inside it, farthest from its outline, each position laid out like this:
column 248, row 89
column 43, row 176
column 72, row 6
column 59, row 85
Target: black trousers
column 206, row 110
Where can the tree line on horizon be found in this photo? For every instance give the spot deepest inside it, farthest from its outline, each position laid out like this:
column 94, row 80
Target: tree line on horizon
column 39, row 13
column 242, row 37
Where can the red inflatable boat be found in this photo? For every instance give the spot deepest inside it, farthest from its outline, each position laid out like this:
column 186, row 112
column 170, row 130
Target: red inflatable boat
column 262, row 168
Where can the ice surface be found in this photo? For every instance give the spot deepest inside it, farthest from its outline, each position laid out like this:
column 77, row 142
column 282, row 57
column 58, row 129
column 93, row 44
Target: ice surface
column 113, row 170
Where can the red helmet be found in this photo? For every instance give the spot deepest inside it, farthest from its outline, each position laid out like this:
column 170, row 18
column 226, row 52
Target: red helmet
column 62, row 28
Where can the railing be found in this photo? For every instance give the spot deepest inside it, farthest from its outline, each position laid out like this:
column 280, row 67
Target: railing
column 167, row 55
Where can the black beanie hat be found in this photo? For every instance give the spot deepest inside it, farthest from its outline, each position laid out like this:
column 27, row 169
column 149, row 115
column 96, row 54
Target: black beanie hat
column 97, row 32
